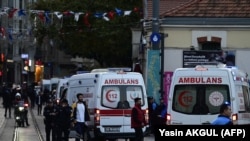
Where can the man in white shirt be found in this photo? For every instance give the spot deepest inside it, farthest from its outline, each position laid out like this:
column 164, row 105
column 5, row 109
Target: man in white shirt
column 80, row 115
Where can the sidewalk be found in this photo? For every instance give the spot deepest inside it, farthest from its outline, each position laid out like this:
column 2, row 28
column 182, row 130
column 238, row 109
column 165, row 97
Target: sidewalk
column 2, row 118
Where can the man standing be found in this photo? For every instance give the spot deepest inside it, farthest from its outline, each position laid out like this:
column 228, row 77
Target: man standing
column 50, row 113
column 63, row 120
column 160, row 113
column 138, row 120
column 151, row 111
column 224, row 116
column 7, row 100
column 80, row 115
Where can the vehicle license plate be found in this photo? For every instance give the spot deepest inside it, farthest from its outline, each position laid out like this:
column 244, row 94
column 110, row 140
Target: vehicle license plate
column 112, row 129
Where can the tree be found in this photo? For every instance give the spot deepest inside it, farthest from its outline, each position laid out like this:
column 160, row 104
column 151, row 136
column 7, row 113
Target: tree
column 109, row 42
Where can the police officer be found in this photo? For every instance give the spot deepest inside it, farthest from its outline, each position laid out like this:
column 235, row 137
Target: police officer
column 63, row 120
column 50, row 113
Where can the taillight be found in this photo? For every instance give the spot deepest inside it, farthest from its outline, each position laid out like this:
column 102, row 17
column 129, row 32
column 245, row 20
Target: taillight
column 235, row 117
column 97, row 117
column 26, row 105
column 168, row 119
column 146, row 116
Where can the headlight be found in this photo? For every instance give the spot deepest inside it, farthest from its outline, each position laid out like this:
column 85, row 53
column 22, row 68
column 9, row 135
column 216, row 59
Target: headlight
column 17, row 118
column 20, row 108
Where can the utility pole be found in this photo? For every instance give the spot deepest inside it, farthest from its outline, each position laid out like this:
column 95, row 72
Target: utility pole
column 155, row 24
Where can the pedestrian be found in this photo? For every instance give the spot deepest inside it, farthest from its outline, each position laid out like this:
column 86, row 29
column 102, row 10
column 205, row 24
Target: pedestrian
column 7, row 100
column 160, row 113
column 39, row 103
column 138, row 120
column 151, row 110
column 63, row 120
column 50, row 113
column 224, row 116
column 87, row 131
column 80, row 116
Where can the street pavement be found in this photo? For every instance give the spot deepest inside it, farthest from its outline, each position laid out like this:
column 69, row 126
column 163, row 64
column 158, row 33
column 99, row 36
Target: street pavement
column 2, row 118
column 39, row 120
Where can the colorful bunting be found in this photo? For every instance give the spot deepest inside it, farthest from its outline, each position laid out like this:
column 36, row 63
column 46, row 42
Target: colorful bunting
column 46, row 17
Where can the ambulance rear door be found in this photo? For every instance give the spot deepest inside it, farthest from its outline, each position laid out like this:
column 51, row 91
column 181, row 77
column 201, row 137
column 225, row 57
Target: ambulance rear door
column 117, row 101
column 197, row 95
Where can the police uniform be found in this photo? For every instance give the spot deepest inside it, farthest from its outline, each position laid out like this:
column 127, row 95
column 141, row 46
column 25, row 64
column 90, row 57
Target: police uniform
column 50, row 113
column 63, row 121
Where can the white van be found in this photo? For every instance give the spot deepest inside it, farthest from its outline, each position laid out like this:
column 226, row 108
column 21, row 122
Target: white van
column 197, row 93
column 110, row 98
column 53, row 83
column 45, row 84
column 62, row 84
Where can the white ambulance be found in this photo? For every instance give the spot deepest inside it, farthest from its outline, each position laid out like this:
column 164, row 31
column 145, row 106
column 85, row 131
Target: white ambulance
column 110, row 98
column 197, row 93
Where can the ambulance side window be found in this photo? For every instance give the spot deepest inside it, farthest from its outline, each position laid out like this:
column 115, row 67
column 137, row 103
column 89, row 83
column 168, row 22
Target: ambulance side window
column 246, row 97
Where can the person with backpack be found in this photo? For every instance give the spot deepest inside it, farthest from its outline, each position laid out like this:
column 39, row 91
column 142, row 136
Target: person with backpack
column 80, row 116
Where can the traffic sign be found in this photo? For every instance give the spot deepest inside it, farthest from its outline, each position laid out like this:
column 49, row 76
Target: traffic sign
column 155, row 37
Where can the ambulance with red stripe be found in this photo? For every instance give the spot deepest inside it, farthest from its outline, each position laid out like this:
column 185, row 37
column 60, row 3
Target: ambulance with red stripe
column 197, row 93
column 110, row 97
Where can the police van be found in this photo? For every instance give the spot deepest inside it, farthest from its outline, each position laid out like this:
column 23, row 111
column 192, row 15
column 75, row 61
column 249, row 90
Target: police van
column 197, row 93
column 110, row 97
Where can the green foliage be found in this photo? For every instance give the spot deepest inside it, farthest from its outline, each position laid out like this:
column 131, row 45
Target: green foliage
column 109, row 42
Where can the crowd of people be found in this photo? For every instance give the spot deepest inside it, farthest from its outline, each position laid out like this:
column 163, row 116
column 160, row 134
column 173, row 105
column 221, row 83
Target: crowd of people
column 73, row 117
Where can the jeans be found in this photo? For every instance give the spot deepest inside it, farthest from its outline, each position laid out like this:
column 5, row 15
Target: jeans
column 80, row 127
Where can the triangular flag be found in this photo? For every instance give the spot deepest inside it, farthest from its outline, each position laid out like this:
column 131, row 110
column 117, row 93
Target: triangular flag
column 12, row 12
column 86, row 19
column 126, row 13
column 105, row 17
column 21, row 12
column 77, row 15
column 58, row 15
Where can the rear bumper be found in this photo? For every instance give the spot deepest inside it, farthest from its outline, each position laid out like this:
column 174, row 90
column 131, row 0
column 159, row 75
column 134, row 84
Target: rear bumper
column 122, row 135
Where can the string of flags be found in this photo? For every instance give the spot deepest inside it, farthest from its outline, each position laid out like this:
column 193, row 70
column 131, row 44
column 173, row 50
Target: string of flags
column 46, row 17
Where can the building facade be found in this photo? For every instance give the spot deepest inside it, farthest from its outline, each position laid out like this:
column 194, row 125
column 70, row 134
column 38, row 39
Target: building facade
column 196, row 32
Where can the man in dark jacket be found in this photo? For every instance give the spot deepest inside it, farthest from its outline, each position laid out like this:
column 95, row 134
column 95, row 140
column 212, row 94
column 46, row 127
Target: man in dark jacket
column 50, row 113
column 160, row 113
column 63, row 120
column 7, row 100
column 138, row 120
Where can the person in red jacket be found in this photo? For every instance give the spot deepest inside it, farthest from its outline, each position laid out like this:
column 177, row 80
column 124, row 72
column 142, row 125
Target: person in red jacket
column 138, row 120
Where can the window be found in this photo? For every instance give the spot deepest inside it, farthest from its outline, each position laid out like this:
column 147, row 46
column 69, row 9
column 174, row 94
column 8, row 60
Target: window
column 120, row 96
column 210, row 46
column 246, row 99
column 199, row 99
